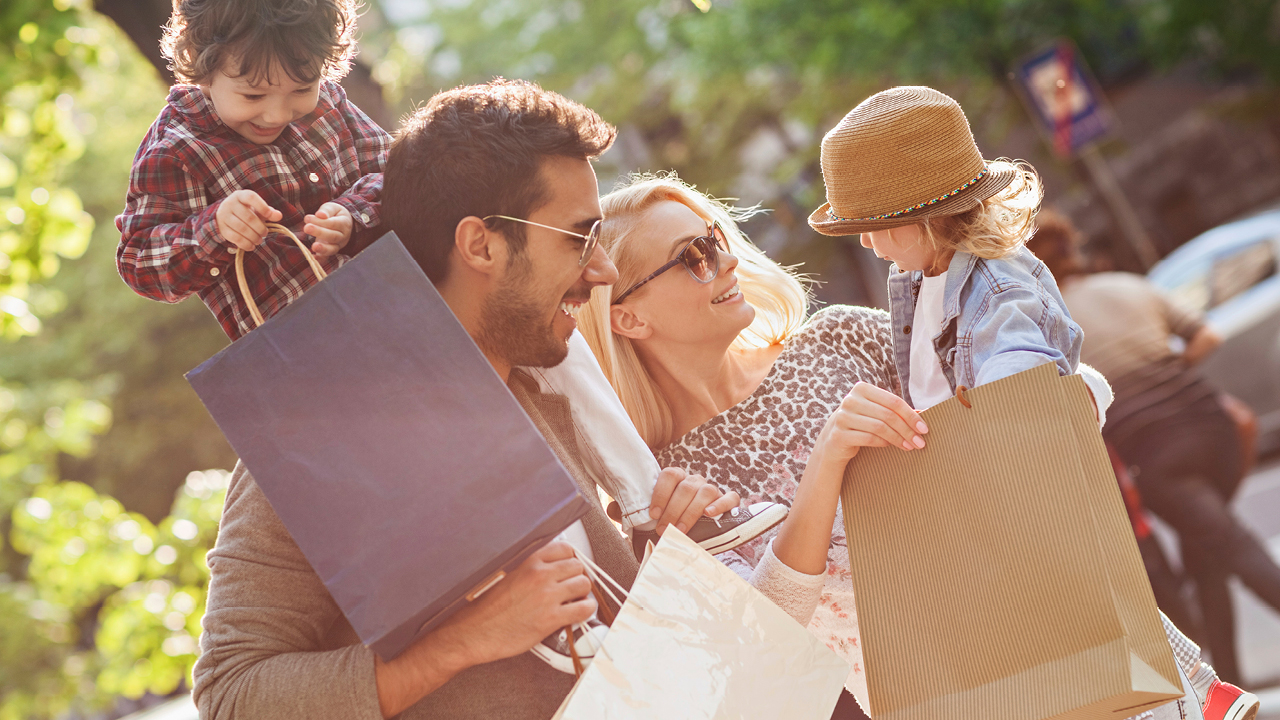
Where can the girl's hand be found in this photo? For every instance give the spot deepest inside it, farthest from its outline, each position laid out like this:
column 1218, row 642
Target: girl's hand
column 330, row 226
column 869, row 417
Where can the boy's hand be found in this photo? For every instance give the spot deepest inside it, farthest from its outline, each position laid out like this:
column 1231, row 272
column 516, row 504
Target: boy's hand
column 330, row 226
column 242, row 219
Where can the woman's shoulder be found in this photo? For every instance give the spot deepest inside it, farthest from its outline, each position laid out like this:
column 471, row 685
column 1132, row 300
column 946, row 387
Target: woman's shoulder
column 855, row 341
column 844, row 324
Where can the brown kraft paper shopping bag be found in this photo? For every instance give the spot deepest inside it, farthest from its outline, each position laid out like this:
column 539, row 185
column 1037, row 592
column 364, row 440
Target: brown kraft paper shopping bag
column 995, row 573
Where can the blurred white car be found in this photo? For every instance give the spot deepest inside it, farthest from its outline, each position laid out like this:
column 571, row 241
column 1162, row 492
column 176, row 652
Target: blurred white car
column 1230, row 274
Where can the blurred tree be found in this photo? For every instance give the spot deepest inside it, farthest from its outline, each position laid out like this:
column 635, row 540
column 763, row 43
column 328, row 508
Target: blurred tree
column 735, row 95
column 76, row 630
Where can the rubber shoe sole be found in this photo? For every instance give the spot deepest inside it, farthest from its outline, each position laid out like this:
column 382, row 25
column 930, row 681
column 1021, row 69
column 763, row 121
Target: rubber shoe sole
column 1244, row 706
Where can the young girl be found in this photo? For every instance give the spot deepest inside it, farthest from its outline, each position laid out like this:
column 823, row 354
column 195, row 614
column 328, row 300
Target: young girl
column 969, row 304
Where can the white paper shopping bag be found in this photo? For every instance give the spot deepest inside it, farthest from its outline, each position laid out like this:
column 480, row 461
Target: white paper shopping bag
column 695, row 641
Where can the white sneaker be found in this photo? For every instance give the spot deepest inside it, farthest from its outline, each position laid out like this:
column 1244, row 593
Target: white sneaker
column 554, row 649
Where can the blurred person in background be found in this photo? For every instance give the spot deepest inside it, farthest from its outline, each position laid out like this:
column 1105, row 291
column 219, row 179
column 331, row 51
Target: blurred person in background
column 1171, row 427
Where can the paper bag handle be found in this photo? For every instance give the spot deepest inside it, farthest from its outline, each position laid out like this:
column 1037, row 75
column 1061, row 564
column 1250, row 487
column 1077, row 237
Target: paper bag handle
column 244, row 284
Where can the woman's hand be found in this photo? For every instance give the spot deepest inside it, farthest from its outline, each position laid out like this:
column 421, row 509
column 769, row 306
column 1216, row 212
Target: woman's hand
column 869, row 417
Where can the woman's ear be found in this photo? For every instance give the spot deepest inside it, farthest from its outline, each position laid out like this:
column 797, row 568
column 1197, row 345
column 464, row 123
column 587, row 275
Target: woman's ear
column 476, row 244
column 623, row 321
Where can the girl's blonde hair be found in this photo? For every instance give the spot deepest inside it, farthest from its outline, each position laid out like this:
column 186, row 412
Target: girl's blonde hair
column 999, row 225
column 779, row 295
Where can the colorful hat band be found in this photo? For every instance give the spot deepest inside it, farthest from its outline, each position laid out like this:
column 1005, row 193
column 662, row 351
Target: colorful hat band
column 913, row 208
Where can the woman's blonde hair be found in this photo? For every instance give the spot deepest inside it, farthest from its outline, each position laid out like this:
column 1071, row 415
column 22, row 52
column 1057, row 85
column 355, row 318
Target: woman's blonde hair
column 779, row 296
column 997, row 226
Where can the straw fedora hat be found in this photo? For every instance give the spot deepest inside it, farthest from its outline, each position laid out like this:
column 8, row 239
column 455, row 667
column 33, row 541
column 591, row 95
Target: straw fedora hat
column 901, row 156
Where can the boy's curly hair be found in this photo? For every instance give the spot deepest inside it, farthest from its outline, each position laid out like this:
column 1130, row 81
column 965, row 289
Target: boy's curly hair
column 310, row 39
column 997, row 226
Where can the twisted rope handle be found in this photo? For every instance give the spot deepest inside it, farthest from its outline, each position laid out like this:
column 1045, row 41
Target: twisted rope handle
column 244, row 284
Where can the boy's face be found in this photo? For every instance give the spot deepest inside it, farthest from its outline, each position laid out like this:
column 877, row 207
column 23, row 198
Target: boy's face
column 260, row 111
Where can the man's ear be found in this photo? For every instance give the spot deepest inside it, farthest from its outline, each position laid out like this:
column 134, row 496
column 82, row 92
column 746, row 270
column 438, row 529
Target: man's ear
column 476, row 245
column 623, row 321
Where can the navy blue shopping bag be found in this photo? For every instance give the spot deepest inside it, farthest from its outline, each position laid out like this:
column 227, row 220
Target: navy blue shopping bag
column 397, row 458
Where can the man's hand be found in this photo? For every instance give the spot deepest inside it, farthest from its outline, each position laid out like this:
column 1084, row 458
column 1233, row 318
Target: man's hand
column 546, row 592
column 680, row 499
column 330, row 226
column 242, row 219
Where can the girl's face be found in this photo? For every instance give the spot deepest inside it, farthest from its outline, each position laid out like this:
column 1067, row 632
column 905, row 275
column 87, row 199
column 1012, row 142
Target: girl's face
column 904, row 246
column 674, row 307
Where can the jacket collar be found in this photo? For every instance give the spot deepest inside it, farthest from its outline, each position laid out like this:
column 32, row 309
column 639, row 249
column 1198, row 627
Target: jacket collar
column 958, row 272
column 197, row 109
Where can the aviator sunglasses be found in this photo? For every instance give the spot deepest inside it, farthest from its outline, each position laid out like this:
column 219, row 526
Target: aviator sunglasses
column 591, row 239
column 701, row 257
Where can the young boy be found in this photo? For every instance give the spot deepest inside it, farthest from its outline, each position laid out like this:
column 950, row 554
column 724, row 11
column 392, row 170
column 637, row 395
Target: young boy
column 258, row 131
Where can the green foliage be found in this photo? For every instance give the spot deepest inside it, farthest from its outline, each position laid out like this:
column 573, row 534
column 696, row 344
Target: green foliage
column 37, row 423
column 41, row 671
column 95, row 601
column 93, row 563
column 44, row 51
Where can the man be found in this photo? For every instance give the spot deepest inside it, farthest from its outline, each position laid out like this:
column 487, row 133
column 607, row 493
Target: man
column 275, row 645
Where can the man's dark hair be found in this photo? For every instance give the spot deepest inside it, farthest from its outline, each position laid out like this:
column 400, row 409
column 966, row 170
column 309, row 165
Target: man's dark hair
column 310, row 39
column 478, row 150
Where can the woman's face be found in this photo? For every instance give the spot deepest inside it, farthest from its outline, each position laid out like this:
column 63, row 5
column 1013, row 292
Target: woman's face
column 674, row 307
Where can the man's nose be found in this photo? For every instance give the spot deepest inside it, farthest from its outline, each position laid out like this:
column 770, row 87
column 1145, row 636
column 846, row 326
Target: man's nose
column 865, row 239
column 600, row 270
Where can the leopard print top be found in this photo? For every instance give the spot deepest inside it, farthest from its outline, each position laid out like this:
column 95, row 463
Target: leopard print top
column 759, row 447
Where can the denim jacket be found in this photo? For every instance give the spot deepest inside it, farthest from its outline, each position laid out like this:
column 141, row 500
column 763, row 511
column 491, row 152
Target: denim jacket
column 1000, row 317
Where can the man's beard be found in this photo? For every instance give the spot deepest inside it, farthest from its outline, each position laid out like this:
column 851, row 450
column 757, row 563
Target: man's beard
column 513, row 328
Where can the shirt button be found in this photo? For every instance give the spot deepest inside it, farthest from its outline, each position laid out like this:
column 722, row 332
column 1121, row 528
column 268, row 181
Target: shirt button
column 906, row 329
column 364, row 218
column 314, row 177
column 215, row 272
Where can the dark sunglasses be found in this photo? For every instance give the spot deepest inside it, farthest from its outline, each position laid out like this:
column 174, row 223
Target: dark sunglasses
column 701, row 257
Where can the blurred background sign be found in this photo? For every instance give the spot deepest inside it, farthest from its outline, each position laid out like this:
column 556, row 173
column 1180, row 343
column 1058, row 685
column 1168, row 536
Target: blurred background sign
column 1070, row 110
column 1065, row 101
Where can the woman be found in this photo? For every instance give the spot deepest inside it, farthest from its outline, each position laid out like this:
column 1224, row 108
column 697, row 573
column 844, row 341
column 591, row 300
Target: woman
column 703, row 366
column 709, row 348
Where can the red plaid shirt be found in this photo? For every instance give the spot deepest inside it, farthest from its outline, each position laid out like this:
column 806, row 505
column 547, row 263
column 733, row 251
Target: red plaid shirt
column 189, row 162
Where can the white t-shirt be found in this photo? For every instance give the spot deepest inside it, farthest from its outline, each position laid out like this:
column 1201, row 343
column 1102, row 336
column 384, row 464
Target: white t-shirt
column 928, row 385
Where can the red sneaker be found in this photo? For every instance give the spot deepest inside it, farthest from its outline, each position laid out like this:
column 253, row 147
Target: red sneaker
column 1225, row 701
